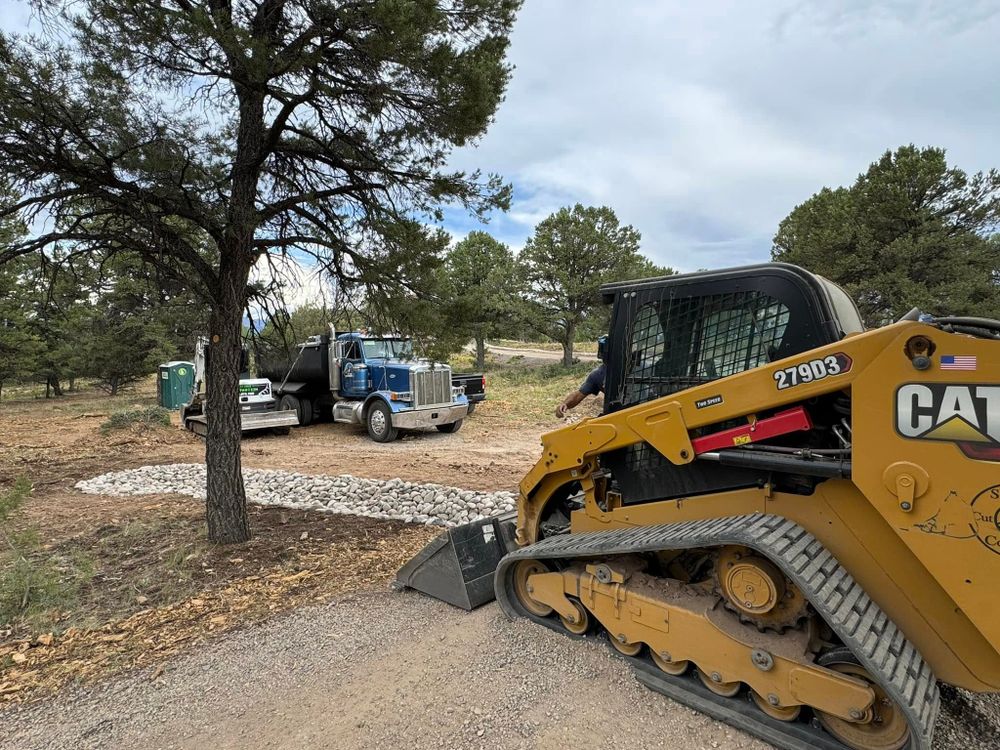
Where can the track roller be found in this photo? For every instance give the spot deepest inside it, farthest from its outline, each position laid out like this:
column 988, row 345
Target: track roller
column 714, row 683
column 628, row 649
column 662, row 660
column 581, row 624
column 769, row 705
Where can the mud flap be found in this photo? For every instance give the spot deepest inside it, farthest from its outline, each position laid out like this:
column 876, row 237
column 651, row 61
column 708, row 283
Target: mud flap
column 458, row 566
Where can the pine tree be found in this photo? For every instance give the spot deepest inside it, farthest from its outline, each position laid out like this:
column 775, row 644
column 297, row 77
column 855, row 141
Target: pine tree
column 201, row 135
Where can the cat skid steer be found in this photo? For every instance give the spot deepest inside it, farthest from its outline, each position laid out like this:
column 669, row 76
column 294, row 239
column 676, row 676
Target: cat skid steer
column 781, row 519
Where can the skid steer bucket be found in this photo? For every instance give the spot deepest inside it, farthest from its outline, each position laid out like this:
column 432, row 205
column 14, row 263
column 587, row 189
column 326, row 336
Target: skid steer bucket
column 458, row 566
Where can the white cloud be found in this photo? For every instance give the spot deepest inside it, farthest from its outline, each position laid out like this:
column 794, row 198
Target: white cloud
column 704, row 124
column 301, row 283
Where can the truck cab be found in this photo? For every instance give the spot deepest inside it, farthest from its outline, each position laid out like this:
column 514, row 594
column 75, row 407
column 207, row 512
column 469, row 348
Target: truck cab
column 371, row 380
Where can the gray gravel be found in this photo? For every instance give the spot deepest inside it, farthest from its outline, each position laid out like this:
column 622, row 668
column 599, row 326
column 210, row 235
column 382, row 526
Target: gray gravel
column 404, row 501
column 387, row 670
column 398, row 671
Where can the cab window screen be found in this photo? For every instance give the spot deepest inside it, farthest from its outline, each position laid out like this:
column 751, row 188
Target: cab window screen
column 668, row 335
column 683, row 342
column 645, row 352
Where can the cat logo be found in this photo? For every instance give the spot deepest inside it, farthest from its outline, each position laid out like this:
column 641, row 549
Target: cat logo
column 968, row 415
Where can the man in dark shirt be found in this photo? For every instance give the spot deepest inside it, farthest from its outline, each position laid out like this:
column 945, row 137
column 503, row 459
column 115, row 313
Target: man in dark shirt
column 593, row 385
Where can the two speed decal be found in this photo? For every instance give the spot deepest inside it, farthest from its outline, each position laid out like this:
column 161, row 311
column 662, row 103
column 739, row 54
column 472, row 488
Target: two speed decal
column 813, row 370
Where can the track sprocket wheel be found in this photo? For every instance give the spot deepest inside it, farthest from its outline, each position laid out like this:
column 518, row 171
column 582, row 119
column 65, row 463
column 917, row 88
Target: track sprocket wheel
column 883, row 727
column 755, row 589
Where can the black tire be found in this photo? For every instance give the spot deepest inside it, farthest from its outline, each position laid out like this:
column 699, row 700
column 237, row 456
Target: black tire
column 379, row 423
column 302, row 408
column 449, row 428
column 282, row 430
column 306, row 415
column 472, row 408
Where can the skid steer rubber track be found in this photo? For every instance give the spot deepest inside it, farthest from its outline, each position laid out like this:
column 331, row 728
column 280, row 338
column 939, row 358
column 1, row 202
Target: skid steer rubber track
column 891, row 660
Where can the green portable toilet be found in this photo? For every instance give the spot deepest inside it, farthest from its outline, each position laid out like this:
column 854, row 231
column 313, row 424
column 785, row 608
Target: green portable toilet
column 176, row 382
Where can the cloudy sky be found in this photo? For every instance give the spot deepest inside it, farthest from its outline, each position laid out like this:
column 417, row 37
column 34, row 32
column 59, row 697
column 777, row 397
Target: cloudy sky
column 704, row 123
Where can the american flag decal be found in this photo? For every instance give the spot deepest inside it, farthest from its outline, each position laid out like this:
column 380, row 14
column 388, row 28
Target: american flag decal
column 958, row 362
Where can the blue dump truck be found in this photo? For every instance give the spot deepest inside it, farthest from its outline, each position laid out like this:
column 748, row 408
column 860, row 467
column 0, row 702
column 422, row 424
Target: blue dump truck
column 371, row 380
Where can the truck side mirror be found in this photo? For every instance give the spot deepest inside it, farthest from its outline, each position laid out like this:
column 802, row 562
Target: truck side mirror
column 602, row 348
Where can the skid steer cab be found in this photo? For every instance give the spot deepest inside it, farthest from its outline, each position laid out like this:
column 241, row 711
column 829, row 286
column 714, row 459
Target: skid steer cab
column 375, row 381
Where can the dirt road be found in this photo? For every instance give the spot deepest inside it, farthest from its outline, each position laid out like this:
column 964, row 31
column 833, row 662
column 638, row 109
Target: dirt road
column 390, row 670
column 536, row 356
column 378, row 670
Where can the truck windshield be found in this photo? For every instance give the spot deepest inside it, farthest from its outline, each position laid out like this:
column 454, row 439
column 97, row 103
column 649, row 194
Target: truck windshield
column 388, row 348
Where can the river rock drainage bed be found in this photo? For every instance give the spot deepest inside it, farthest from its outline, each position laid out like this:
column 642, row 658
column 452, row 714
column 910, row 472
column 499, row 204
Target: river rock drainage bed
column 432, row 504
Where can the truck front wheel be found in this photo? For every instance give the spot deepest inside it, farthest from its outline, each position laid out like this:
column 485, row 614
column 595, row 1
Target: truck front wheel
column 453, row 427
column 379, row 423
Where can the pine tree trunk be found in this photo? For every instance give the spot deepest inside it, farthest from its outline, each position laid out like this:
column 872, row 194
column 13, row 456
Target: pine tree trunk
column 53, row 383
column 567, row 345
column 226, row 500
column 480, row 353
column 225, row 504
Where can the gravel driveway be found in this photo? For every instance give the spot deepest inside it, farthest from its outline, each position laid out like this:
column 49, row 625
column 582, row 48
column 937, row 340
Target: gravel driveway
column 399, row 671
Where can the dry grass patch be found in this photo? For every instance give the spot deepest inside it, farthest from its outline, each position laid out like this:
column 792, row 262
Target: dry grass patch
column 590, row 347
column 519, row 394
column 159, row 587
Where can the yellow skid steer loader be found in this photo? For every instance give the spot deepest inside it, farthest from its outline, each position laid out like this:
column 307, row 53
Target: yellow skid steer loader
column 781, row 519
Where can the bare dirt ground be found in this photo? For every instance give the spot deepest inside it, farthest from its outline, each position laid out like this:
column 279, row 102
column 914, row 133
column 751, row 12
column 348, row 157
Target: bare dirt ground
column 385, row 670
column 537, row 355
column 56, row 449
column 373, row 671
column 146, row 584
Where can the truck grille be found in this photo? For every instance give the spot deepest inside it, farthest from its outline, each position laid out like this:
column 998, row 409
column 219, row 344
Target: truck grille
column 432, row 387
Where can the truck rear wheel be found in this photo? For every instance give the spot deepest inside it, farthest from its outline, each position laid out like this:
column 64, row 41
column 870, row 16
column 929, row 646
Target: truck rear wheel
column 453, row 427
column 301, row 406
column 379, row 421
